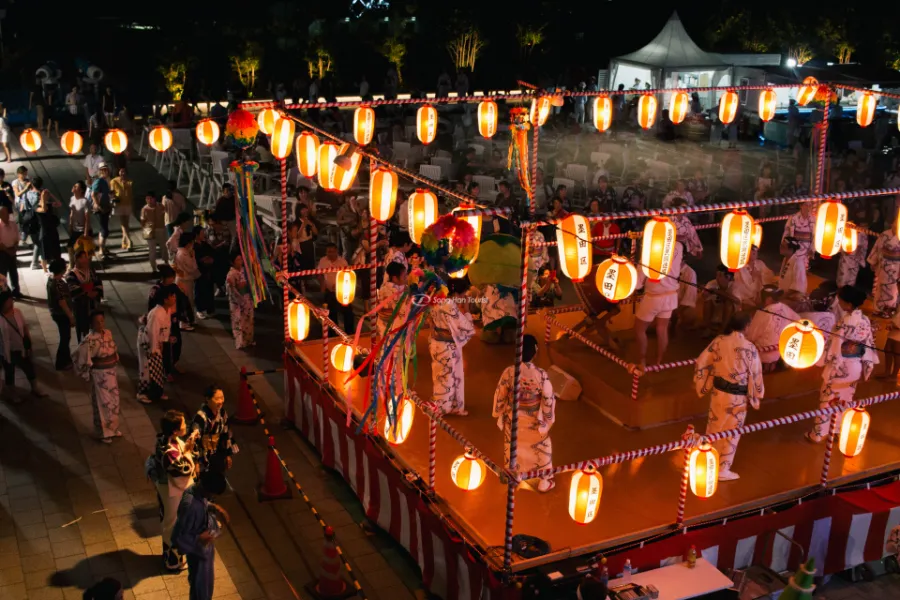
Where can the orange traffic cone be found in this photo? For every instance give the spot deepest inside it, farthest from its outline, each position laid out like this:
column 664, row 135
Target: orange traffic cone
column 330, row 586
column 246, row 411
column 273, row 487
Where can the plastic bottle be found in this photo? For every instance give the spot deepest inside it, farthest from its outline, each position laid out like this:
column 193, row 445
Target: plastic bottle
column 626, row 571
column 692, row 557
column 604, row 572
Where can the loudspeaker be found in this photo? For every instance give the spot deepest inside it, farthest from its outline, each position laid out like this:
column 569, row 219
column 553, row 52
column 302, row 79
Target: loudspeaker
column 565, row 387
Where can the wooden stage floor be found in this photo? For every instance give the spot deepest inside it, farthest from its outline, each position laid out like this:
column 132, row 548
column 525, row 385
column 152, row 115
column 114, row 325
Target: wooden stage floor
column 640, row 497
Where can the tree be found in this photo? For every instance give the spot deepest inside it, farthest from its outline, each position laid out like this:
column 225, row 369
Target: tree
column 836, row 40
column 246, row 64
column 175, row 76
column 319, row 62
column 801, row 53
column 464, row 49
column 394, row 49
column 529, row 37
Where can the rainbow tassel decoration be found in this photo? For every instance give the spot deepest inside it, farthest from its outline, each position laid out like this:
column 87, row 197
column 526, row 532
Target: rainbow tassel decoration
column 518, row 147
column 249, row 235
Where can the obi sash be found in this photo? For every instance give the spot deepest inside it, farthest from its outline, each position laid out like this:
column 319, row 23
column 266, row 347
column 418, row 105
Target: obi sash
column 723, row 385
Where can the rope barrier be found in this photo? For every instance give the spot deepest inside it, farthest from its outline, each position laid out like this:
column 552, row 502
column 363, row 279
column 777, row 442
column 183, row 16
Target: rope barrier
column 270, row 435
column 308, row 272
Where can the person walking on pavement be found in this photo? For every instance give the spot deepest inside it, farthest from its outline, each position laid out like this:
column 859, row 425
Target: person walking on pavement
column 15, row 348
column 102, row 207
column 196, row 529
column 9, row 245
column 153, row 230
column 59, row 301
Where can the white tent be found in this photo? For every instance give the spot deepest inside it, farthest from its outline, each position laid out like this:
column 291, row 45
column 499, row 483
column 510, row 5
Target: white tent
column 671, row 59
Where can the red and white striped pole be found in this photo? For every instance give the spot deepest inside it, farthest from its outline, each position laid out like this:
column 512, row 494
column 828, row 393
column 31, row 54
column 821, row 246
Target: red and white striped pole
column 829, row 448
column 688, row 439
column 432, row 452
column 284, row 251
column 635, row 384
column 373, row 258
column 326, row 356
column 823, row 141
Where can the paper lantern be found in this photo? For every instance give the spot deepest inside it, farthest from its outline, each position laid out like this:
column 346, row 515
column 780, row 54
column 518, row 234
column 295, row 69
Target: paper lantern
column 584, row 495
column 266, row 120
column 807, row 91
column 459, row 274
column 396, row 433
column 342, row 357
column 241, row 129
column 207, row 132
column 736, row 239
column 468, row 471
column 282, row 138
column 71, row 142
column 679, row 107
column 423, row 211
column 646, row 114
column 426, row 123
column 31, row 140
column 328, row 151
column 475, row 222
column 345, row 286
column 767, row 102
column 616, row 278
column 658, row 248
column 854, row 427
column 364, row 125
column 487, row 118
column 298, row 321
column 115, row 141
column 346, row 167
column 307, row 150
column 757, row 235
column 160, row 138
column 573, row 237
column 831, row 219
column 540, row 111
column 603, row 113
column 850, row 240
column 865, row 109
column 801, row 344
column 703, row 467
column 728, row 105
column 383, row 185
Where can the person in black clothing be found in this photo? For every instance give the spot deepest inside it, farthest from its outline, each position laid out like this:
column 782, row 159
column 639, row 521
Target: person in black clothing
column 59, row 301
column 87, row 291
column 204, row 286
column 6, row 192
column 225, row 210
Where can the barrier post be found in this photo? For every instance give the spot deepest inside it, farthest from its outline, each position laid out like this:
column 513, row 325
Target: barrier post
column 373, row 258
column 635, row 384
column 829, row 448
column 547, row 330
column 688, row 439
column 823, row 141
column 326, row 356
column 432, row 452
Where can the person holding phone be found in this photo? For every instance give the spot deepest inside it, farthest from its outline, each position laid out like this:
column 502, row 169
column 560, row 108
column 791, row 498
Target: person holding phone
column 545, row 290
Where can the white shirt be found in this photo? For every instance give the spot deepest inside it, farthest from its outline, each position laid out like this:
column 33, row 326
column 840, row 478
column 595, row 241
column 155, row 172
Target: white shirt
column 324, row 263
column 670, row 197
column 92, row 164
column 78, row 206
column 687, row 290
column 9, row 234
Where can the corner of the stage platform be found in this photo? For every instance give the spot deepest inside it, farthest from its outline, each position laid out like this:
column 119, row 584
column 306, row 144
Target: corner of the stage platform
column 452, row 568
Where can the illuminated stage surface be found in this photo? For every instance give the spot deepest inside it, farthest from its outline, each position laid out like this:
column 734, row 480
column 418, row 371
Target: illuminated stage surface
column 640, row 497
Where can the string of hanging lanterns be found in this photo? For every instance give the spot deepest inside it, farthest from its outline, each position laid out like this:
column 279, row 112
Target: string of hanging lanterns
column 364, row 125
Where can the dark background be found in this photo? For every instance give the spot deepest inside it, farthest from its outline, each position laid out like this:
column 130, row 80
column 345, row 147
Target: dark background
column 579, row 38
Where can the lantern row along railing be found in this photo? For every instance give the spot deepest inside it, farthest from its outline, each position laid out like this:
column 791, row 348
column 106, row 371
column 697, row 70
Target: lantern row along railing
column 720, row 206
column 529, row 95
column 702, row 476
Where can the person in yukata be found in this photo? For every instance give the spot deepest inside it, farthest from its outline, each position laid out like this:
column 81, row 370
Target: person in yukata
column 685, row 316
column 152, row 334
column 95, row 359
column 686, row 233
column 537, row 413
column 660, row 299
column 885, row 261
column 850, row 264
column 400, row 244
column 198, row 525
column 729, row 370
column 240, row 303
column 767, row 324
column 87, row 292
column 849, row 357
column 749, row 281
column 175, row 470
column 793, row 270
column 801, row 226
column 216, row 446
column 171, row 347
column 816, row 309
column 389, row 294
column 719, row 301
column 451, row 328
column 499, row 313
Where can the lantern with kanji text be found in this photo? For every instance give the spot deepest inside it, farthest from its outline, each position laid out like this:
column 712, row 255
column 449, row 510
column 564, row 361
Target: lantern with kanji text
column 487, row 118
column 426, row 124
column 364, row 125
column 703, row 470
column 658, row 247
column 573, row 241
column 801, row 344
column 584, row 495
column 736, row 239
column 616, row 278
column 854, row 427
column 831, row 220
column 468, row 471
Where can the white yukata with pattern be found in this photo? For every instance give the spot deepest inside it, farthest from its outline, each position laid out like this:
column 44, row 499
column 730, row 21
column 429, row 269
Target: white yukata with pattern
column 885, row 260
column 451, row 329
column 95, row 361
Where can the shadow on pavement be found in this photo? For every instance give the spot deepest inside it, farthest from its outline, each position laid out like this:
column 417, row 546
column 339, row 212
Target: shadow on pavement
column 138, row 567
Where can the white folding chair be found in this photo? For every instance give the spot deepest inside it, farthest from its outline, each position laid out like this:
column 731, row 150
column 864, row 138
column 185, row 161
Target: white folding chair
column 432, row 172
column 577, row 173
column 443, row 162
column 400, row 152
column 569, row 183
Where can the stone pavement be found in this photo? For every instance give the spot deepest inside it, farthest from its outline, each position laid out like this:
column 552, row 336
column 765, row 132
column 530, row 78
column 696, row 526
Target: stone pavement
column 73, row 510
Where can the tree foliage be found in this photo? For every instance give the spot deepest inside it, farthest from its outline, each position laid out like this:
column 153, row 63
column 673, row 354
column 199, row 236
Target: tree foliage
column 529, row 38
column 246, row 64
column 464, row 49
column 394, row 50
column 174, row 78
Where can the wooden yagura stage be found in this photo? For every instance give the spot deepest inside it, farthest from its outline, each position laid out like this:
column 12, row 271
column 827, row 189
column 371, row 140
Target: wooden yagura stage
column 639, row 497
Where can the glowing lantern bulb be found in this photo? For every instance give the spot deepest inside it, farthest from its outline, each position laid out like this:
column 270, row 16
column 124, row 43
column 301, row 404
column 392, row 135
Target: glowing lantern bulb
column 307, row 151
column 831, row 220
column 658, row 248
column 116, row 141
column 851, row 239
column 728, row 105
column 423, row 211
column 736, row 239
column 426, row 123
column 207, row 132
column 801, row 344
column 807, row 91
column 616, row 278
column 757, row 235
column 383, row 185
column 266, row 119
column 584, row 495
column 603, row 113
column 282, row 138
column 160, row 138
column 364, row 125
column 345, row 286
column 397, row 432
column 31, row 140
column 487, row 118
column 71, row 142
column 573, row 237
column 646, row 114
column 703, row 468
column 468, row 471
column 342, row 357
column 767, row 103
column 298, row 321
column 679, row 107
column 854, row 427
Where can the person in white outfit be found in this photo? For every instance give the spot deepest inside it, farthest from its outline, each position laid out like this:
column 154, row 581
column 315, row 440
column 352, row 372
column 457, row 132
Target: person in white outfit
column 451, row 329
column 660, row 299
column 767, row 324
column 153, row 229
column 729, row 370
column 793, row 271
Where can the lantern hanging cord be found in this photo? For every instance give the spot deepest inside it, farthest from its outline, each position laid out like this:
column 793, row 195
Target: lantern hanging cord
column 720, row 294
